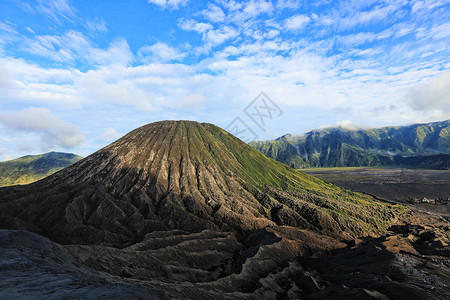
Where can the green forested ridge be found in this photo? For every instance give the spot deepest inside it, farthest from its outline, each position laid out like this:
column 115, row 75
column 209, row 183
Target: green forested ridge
column 30, row 168
column 413, row 145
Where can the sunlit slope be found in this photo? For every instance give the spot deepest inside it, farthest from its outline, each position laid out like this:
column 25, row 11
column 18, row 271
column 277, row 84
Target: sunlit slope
column 31, row 168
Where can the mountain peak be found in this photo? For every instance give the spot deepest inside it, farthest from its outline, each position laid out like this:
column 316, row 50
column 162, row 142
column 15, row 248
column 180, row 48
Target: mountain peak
column 182, row 175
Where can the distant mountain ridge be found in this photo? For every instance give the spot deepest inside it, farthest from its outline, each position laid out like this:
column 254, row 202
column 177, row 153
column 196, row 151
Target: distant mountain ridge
column 416, row 144
column 30, row 168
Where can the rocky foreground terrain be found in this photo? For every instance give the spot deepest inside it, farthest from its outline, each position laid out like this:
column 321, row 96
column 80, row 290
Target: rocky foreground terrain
column 271, row 263
column 183, row 210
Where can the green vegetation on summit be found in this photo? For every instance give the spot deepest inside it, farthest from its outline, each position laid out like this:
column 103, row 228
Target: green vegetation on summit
column 31, row 168
column 415, row 145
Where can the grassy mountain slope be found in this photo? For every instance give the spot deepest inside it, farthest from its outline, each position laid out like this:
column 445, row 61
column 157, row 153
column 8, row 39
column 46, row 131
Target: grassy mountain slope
column 30, row 168
column 339, row 147
column 184, row 175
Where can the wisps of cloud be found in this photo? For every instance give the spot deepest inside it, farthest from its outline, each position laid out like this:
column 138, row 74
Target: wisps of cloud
column 219, row 36
column 423, row 6
column 7, row 27
column 289, row 4
column 53, row 131
column 192, row 25
column 169, row 4
column 357, row 13
column 73, row 45
column 118, row 52
column 159, row 52
column 214, row 13
column 55, row 9
column 297, row 22
column 96, row 26
column 440, row 31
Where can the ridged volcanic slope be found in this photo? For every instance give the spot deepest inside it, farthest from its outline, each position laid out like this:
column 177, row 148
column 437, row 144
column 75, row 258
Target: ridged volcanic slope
column 182, row 175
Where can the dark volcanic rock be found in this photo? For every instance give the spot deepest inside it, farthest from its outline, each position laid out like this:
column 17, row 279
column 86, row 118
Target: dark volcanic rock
column 32, row 267
column 166, row 265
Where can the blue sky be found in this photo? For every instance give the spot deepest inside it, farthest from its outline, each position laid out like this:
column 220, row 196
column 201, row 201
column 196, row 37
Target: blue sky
column 76, row 75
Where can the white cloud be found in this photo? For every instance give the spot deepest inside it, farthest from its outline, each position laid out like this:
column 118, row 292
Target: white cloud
column 357, row 38
column 300, row 74
column 55, row 9
column 191, row 25
column 420, row 6
column 345, row 124
column 111, row 135
column 354, row 13
column 73, row 45
column 53, row 131
column 8, row 36
column 255, row 48
column 193, row 102
column 118, row 53
column 368, row 52
column 401, row 30
column 219, row 36
column 272, row 33
column 169, row 4
column 296, row 22
column 431, row 95
column 21, row 82
column 154, row 87
column 7, row 27
column 58, row 48
column 290, row 4
column 96, row 26
column 441, row 31
column 271, row 23
column 107, row 86
column 214, row 13
column 159, row 52
column 30, row 30
column 242, row 12
column 254, row 8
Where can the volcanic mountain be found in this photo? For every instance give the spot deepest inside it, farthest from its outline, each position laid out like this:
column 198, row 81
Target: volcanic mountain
column 185, row 210
column 182, row 175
